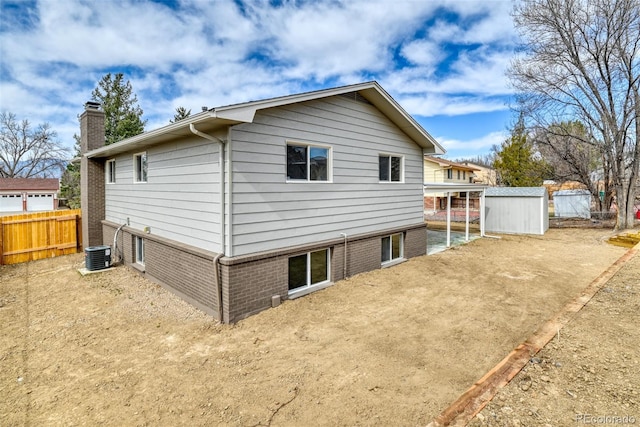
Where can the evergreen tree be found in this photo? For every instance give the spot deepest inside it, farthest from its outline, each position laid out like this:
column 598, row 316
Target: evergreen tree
column 70, row 180
column 181, row 113
column 516, row 162
column 119, row 103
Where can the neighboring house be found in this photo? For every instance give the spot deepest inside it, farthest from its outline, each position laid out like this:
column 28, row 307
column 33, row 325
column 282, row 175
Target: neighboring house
column 436, row 171
column 483, row 174
column 239, row 207
column 28, row 194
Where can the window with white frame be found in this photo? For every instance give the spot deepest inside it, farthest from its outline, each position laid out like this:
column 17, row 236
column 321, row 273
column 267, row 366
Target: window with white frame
column 139, row 247
column 390, row 168
column 140, row 167
column 392, row 248
column 449, row 173
column 308, row 162
column 308, row 270
column 111, row 171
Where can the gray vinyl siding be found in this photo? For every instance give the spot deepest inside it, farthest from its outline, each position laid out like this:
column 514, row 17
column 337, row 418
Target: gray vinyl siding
column 180, row 199
column 270, row 213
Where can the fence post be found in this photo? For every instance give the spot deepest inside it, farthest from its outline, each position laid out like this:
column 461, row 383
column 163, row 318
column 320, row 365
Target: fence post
column 78, row 233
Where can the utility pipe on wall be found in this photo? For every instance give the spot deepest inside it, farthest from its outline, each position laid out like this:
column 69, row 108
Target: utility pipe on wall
column 115, row 237
column 344, row 272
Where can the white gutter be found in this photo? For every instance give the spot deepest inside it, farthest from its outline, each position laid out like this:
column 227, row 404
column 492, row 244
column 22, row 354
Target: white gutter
column 216, row 260
column 230, row 192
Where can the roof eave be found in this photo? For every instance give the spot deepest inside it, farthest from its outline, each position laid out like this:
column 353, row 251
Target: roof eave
column 209, row 120
column 245, row 113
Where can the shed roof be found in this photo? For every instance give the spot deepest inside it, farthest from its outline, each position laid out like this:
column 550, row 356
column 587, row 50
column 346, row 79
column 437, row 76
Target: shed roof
column 572, row 193
column 516, row 192
column 218, row 118
column 29, row 184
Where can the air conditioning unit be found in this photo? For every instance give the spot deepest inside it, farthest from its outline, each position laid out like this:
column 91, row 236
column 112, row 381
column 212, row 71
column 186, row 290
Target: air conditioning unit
column 97, row 257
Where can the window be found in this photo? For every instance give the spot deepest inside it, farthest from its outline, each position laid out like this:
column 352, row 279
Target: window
column 308, row 270
column 464, row 175
column 392, row 248
column 140, row 167
column 390, row 168
column 307, row 163
column 111, row 171
column 458, row 174
column 139, row 250
column 449, row 173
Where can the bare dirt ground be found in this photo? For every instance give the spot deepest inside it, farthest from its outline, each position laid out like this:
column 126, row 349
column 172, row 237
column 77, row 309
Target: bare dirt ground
column 589, row 374
column 389, row 347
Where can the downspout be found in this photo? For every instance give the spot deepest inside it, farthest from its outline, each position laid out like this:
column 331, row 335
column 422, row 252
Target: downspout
column 344, row 271
column 216, row 260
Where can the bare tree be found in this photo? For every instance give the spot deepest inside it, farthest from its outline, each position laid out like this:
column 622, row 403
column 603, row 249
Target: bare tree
column 581, row 61
column 567, row 148
column 27, row 152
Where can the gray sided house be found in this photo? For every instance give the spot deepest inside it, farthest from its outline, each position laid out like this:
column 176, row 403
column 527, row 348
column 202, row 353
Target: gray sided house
column 239, row 207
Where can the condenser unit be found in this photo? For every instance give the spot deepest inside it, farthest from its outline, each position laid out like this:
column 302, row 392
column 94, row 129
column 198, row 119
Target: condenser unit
column 97, row 257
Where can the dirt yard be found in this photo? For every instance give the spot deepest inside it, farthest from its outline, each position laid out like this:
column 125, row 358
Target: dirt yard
column 589, row 374
column 390, row 347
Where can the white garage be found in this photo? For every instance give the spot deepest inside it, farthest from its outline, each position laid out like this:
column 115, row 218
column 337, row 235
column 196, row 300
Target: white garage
column 28, row 194
column 40, row 202
column 10, row 202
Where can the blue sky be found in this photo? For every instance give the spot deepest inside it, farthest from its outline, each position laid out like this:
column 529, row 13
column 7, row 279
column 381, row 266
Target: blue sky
column 443, row 61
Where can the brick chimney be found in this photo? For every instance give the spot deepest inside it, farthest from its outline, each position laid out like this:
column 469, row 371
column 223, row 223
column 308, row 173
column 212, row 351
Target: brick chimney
column 92, row 175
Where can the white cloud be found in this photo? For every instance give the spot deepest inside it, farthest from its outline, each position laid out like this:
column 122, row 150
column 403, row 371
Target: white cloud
column 429, row 104
column 224, row 52
column 424, row 53
column 481, row 144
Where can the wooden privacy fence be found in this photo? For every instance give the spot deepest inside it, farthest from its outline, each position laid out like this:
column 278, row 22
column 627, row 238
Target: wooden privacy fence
column 27, row 237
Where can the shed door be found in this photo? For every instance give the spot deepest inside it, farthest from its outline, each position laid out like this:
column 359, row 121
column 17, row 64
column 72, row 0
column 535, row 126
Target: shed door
column 39, row 202
column 11, row 203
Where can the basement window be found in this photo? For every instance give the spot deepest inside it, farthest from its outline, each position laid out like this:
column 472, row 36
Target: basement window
column 139, row 247
column 307, row 271
column 392, row 249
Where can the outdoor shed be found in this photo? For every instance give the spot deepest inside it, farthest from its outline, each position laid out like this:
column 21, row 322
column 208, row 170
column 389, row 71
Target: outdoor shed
column 516, row 210
column 572, row 204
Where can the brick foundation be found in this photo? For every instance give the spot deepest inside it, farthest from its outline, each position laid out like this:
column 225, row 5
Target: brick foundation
column 186, row 271
column 249, row 282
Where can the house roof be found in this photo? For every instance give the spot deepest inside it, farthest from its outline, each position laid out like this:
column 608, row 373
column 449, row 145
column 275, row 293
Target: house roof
column 448, row 164
column 29, row 184
column 478, row 166
column 516, row 192
column 217, row 119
